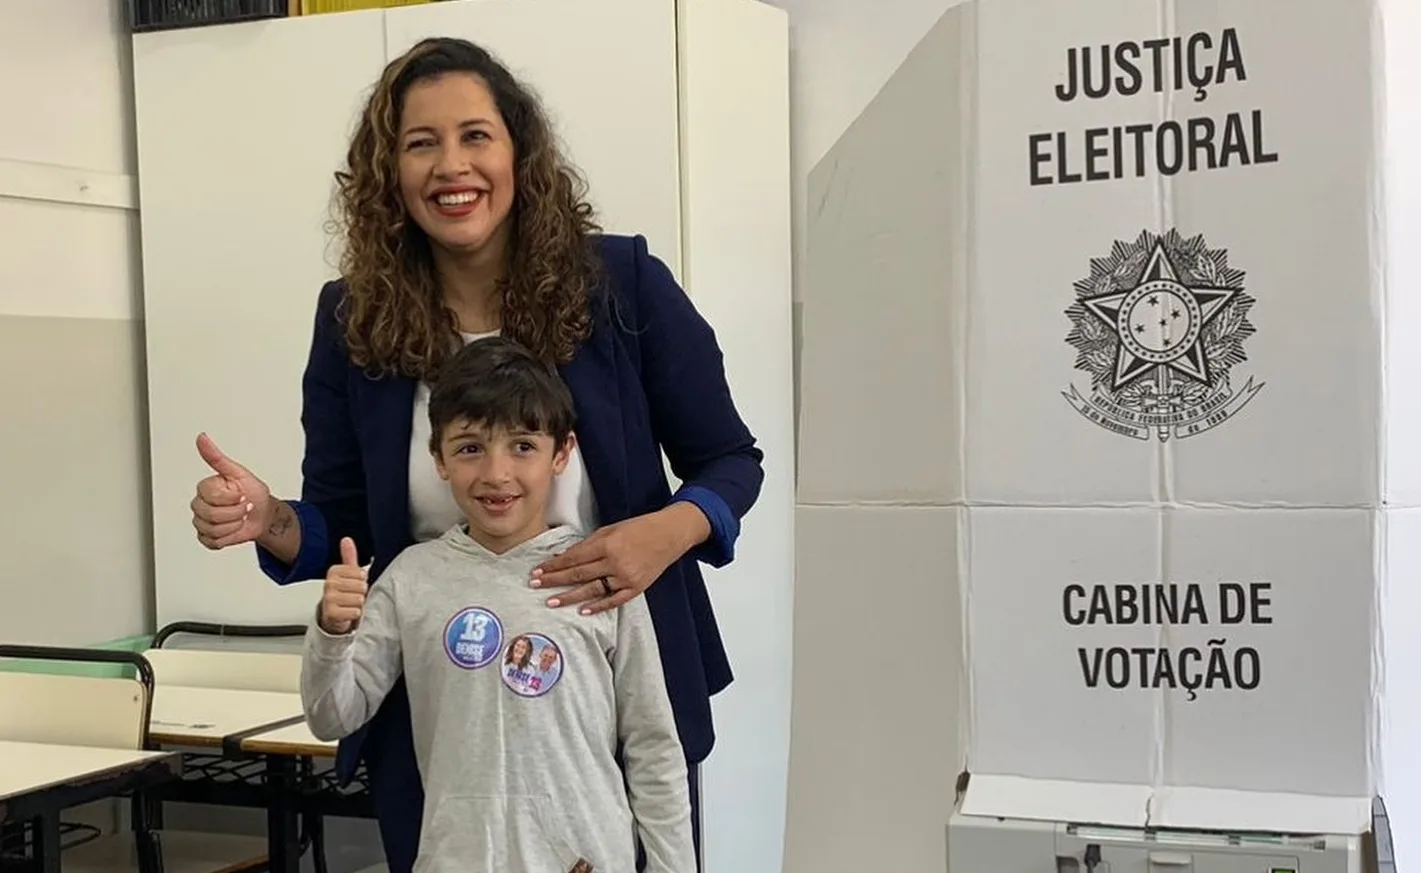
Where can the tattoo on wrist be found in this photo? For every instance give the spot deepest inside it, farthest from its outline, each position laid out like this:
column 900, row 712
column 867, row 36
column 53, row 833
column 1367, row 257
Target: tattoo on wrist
column 282, row 521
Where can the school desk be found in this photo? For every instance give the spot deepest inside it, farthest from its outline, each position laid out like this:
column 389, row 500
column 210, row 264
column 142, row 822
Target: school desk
column 70, row 734
column 39, row 781
column 248, row 746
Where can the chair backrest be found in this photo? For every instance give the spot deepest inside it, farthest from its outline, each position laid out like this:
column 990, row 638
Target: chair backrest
column 73, row 710
column 244, row 637
column 241, row 671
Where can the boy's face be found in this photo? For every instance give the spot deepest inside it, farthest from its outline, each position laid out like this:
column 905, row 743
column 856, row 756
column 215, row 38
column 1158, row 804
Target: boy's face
column 501, row 479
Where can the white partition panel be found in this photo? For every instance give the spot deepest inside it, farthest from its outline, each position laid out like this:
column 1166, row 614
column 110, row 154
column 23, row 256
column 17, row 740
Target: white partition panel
column 239, row 131
column 240, row 128
column 736, row 249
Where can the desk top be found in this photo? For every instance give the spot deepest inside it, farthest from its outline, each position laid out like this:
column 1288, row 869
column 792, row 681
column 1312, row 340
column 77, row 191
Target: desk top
column 26, row 768
column 204, row 716
column 294, row 740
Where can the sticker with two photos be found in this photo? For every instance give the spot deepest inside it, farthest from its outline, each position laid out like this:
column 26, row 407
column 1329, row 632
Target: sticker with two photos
column 532, row 665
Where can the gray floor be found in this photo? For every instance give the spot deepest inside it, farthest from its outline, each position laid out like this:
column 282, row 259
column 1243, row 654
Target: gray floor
column 224, row 837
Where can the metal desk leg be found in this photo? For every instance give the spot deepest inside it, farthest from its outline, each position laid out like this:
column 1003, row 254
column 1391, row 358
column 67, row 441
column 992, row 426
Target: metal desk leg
column 150, row 852
column 316, row 827
column 45, row 833
column 283, row 833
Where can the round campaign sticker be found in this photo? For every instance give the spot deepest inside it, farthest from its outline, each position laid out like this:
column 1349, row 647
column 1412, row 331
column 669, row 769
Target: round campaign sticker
column 473, row 637
column 532, row 665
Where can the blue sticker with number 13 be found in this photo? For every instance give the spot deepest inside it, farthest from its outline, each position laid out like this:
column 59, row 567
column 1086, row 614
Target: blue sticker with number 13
column 473, row 637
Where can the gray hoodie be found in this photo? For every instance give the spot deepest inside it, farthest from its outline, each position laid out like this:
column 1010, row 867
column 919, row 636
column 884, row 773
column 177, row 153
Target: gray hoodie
column 517, row 711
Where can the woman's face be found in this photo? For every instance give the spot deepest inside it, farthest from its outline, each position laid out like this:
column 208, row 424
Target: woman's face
column 456, row 163
column 520, row 649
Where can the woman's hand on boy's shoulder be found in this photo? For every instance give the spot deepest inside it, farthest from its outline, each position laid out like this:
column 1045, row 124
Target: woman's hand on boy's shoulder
column 620, row 561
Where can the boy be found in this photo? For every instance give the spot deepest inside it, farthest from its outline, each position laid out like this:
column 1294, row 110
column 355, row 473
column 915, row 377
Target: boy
column 517, row 709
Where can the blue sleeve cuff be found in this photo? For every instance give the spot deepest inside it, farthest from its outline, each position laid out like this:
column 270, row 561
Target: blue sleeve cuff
column 719, row 549
column 315, row 549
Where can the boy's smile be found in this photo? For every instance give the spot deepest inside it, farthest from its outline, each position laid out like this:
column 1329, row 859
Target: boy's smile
column 497, row 504
column 501, row 478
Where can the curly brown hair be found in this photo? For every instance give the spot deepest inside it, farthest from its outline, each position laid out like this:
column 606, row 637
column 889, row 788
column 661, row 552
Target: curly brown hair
column 396, row 321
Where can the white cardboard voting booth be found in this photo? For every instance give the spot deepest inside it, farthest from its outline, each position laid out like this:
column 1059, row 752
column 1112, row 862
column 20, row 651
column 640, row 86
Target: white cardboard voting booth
column 1173, row 397
column 991, row 412
column 1173, row 413
column 1115, row 278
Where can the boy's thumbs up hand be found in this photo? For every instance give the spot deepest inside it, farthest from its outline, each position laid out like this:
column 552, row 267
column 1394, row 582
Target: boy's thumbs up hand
column 343, row 599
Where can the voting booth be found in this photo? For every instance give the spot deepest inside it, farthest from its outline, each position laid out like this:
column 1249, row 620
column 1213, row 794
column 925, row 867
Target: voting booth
column 1192, row 643
column 1172, row 287
column 1160, row 396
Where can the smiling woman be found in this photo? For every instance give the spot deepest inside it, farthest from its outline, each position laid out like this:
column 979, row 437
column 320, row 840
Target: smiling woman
column 463, row 211
column 508, row 248
column 462, row 219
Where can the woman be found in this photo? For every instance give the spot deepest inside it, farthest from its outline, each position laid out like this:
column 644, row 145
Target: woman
column 462, row 219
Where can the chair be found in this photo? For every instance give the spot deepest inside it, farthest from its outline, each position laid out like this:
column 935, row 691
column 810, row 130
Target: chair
column 241, row 671
column 227, row 632
column 70, row 709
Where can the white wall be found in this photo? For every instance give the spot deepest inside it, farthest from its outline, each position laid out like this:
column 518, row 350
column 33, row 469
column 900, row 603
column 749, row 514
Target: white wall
column 1400, row 599
column 737, row 270
column 73, row 445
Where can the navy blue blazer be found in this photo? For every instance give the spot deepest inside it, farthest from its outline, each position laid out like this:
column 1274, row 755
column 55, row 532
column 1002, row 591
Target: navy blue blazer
column 650, row 377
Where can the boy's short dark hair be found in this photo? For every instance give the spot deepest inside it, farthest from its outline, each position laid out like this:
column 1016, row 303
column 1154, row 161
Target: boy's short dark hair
column 500, row 384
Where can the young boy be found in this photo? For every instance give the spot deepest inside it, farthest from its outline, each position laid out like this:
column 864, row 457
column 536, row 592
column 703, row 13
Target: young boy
column 517, row 709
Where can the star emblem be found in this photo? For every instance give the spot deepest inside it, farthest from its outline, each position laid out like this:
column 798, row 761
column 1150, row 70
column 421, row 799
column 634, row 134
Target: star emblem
column 1160, row 322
